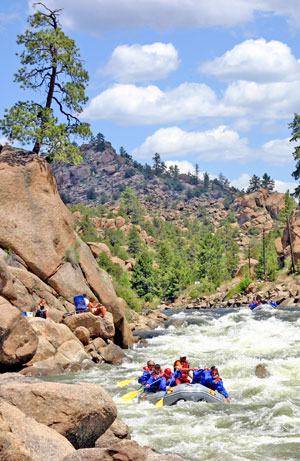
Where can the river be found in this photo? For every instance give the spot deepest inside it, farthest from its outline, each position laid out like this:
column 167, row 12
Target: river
column 262, row 421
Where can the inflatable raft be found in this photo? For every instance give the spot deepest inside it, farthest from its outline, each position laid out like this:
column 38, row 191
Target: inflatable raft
column 184, row 392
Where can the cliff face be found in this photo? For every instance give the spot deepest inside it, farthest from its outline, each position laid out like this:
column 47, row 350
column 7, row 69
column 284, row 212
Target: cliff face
column 36, row 237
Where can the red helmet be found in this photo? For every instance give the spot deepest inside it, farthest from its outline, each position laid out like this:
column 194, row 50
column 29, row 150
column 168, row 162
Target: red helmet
column 168, row 371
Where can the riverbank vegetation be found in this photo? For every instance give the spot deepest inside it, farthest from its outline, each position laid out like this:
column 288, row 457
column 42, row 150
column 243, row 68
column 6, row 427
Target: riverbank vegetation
column 194, row 255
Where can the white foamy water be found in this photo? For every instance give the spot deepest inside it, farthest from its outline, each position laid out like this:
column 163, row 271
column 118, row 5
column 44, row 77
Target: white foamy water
column 262, row 422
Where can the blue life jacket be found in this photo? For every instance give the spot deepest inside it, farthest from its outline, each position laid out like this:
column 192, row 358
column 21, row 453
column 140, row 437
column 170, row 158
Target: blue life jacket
column 198, row 377
column 273, row 304
column 144, row 378
column 80, row 304
column 157, row 386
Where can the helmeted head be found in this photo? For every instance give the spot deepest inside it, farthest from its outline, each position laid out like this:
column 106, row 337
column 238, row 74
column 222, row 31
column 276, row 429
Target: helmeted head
column 183, row 358
column 168, row 372
column 157, row 367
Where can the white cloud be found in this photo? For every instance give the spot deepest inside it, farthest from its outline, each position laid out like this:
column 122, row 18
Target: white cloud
column 129, row 104
column 184, row 166
column 280, row 186
column 263, row 101
column 257, row 61
column 142, row 63
column 98, row 16
column 221, row 143
column 242, row 182
column 4, row 141
column 278, row 151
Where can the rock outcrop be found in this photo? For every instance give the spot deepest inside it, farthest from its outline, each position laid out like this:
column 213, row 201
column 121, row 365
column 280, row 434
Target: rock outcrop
column 42, row 421
column 81, row 413
column 44, row 257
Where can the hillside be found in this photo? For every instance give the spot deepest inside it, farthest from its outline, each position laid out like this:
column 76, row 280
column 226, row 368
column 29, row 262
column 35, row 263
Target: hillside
column 191, row 230
column 103, row 175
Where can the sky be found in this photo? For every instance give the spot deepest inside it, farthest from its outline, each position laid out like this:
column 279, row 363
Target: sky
column 214, row 83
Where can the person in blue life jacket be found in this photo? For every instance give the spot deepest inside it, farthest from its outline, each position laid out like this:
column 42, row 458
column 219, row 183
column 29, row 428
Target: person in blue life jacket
column 273, row 304
column 148, row 370
column 210, row 378
column 171, row 377
column 156, row 382
column 254, row 304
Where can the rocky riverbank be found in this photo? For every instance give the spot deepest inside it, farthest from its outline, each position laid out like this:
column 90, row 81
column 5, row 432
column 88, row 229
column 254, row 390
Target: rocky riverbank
column 285, row 292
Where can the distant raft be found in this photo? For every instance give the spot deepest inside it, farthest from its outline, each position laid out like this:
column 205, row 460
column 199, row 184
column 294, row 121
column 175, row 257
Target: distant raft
column 256, row 304
column 184, row 392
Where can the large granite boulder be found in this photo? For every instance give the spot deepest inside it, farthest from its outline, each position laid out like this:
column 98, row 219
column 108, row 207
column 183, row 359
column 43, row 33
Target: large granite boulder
column 24, row 439
column 6, row 281
column 18, row 340
column 116, row 432
column 125, row 450
column 35, row 222
column 96, row 325
column 58, row 348
column 39, row 229
column 81, row 413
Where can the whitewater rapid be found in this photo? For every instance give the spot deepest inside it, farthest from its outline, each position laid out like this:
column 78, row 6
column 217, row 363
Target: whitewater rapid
column 262, row 422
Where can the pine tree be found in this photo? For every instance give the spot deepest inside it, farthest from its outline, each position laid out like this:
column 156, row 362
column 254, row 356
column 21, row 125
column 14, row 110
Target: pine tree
column 98, row 142
column 267, row 183
column 130, row 205
column 267, row 266
column 206, row 180
column 52, row 67
column 254, row 184
column 295, row 127
column 135, row 243
column 143, row 279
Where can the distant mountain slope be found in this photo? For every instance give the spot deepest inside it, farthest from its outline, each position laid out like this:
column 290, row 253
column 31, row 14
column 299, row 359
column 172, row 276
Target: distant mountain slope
column 102, row 176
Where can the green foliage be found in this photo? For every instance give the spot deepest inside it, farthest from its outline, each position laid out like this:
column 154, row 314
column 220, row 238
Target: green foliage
column 131, row 206
column 243, row 285
column 241, row 288
column 124, row 154
column 203, row 288
column 289, row 207
column 298, row 267
column 206, row 180
column 267, row 182
column 135, row 243
column 254, row 184
column 72, row 254
column 143, row 278
column 113, row 269
column 267, row 267
column 295, row 127
column 51, row 66
column 129, row 172
column 91, row 194
column 131, row 298
column 98, row 142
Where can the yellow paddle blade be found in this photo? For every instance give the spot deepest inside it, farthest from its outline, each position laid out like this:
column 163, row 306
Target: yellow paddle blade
column 212, row 392
column 125, row 382
column 160, row 403
column 130, row 395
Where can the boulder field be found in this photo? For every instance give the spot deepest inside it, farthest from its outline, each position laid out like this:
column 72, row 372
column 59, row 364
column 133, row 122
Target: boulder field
column 46, row 421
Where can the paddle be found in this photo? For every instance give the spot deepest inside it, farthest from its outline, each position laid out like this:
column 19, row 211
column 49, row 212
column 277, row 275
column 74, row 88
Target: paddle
column 160, row 403
column 125, row 382
column 130, row 395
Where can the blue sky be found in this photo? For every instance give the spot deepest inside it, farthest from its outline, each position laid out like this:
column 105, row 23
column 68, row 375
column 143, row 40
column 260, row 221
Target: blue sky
column 214, row 83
